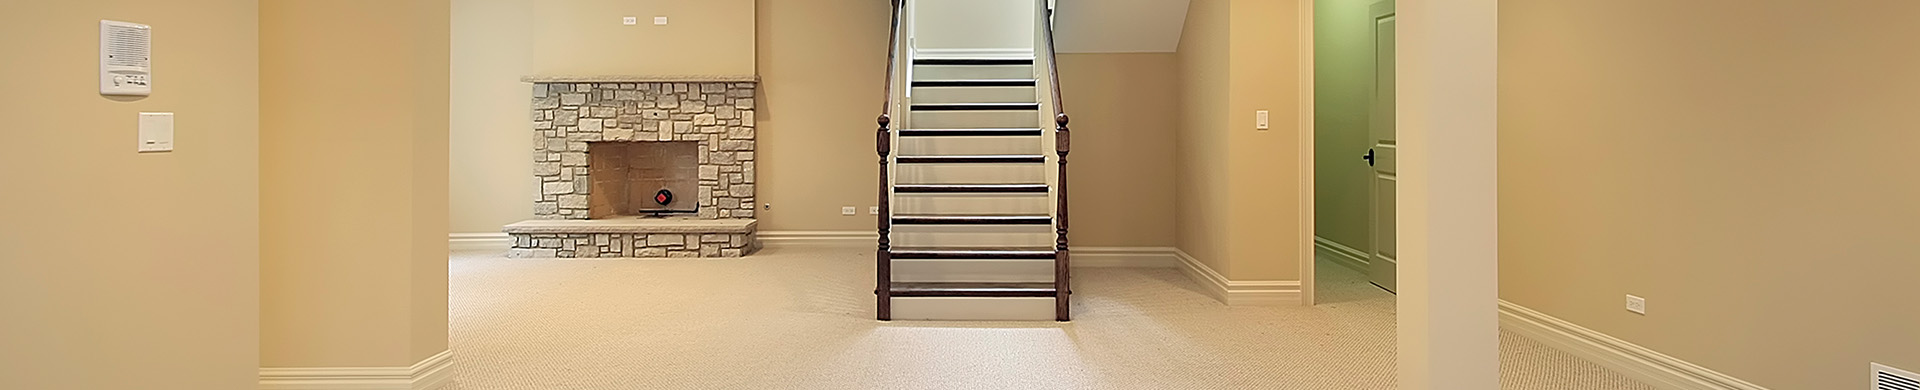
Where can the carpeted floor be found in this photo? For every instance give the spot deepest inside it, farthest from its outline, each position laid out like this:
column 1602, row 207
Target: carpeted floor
column 800, row 318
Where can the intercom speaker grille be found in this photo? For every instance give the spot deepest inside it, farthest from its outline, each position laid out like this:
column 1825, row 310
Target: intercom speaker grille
column 1889, row 378
column 127, row 46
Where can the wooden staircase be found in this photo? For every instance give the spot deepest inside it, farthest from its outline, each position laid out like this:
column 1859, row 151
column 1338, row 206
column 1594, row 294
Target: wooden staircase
column 977, row 74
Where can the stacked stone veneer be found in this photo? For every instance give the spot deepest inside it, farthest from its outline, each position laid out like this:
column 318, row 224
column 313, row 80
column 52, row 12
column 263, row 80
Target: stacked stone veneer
column 718, row 115
column 595, row 245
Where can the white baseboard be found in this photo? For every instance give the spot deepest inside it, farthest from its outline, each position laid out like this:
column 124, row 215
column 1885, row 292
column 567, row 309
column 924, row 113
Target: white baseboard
column 1344, row 255
column 432, row 373
column 1239, row 293
column 1635, row 361
column 819, row 237
column 1125, row 256
column 495, row 241
column 973, row 53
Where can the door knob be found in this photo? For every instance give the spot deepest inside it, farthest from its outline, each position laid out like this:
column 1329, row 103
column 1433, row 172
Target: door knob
column 1368, row 157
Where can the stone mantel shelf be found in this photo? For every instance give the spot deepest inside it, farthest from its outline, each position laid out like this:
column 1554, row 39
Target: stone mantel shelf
column 705, row 78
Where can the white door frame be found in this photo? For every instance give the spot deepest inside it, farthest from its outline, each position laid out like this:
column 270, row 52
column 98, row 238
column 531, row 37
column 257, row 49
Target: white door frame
column 1447, row 68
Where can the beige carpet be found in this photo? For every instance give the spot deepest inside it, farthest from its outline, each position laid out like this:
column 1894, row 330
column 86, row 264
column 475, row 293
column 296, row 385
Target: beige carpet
column 800, row 318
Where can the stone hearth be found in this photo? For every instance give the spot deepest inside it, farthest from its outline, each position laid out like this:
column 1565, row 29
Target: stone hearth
column 636, row 134
column 633, row 237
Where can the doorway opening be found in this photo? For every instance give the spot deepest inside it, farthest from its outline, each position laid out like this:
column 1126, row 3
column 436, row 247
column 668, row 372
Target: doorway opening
column 1355, row 149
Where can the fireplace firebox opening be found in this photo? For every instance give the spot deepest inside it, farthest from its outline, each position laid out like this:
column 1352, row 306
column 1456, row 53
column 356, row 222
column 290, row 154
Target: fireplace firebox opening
column 643, row 178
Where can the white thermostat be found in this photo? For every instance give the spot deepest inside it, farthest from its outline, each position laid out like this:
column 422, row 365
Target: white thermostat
column 126, row 63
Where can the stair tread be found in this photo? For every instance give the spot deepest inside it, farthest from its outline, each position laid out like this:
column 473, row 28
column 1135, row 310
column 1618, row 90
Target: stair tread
column 976, row 83
column 972, row 219
column 973, row 61
column 974, row 158
column 989, row 132
column 970, row 289
column 1033, row 252
column 971, row 187
column 976, row 106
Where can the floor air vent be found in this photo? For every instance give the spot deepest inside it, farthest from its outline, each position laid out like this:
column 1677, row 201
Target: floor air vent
column 1888, row 378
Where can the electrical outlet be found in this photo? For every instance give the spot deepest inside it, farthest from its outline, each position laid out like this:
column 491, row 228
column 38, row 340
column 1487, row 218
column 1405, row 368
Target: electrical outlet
column 630, row 20
column 849, row 210
column 1637, row 304
column 659, row 20
column 873, row 210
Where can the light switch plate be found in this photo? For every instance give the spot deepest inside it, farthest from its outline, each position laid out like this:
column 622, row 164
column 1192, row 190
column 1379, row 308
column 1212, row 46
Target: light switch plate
column 156, row 132
column 630, row 20
column 659, row 20
column 1260, row 119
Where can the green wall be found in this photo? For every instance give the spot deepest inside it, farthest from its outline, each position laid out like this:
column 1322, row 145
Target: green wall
column 1343, row 77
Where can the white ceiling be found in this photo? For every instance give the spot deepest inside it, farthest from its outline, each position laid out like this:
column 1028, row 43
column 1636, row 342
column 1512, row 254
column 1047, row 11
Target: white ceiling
column 1119, row 26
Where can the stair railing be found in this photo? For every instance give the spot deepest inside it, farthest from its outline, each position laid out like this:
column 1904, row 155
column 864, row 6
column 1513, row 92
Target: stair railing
column 1062, row 144
column 883, row 143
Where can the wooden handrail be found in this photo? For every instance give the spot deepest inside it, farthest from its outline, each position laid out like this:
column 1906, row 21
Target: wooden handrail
column 1053, row 70
column 883, row 144
column 893, row 51
column 1062, row 143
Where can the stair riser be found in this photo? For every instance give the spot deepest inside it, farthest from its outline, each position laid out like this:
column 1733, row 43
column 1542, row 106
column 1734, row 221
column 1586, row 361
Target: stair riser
column 975, row 189
column 968, row 221
column 923, row 236
column 974, row 119
column 993, row 271
column 924, row 95
column 972, row 72
column 970, row 145
column 970, row 173
column 963, row 133
column 974, row 309
column 971, row 204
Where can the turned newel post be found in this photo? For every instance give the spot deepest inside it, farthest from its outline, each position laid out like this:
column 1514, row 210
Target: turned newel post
column 883, row 143
column 883, row 285
column 1062, row 143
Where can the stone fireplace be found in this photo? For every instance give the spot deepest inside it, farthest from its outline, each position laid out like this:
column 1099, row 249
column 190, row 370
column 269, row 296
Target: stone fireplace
column 641, row 167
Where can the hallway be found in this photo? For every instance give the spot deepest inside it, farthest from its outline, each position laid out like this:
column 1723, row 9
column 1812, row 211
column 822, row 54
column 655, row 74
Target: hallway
column 801, row 317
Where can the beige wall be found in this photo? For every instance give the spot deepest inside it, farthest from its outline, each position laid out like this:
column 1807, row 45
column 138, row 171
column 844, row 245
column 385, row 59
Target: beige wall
column 141, row 266
column 353, row 126
column 586, row 37
column 1121, row 171
column 822, row 66
column 1201, row 143
column 1343, row 91
column 1264, row 191
column 1743, row 166
column 1238, row 195
column 493, row 183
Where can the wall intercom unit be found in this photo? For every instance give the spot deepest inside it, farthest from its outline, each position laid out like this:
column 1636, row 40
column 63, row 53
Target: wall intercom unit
column 126, row 63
